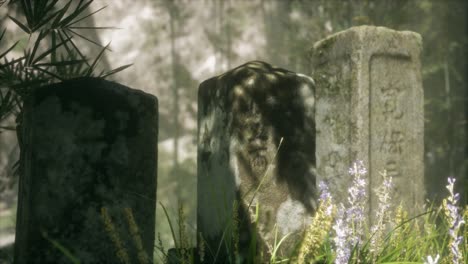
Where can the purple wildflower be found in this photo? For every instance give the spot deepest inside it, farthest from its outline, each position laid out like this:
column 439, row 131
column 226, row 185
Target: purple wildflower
column 324, row 191
column 455, row 222
column 358, row 168
column 325, row 197
column 342, row 246
column 356, row 200
column 349, row 221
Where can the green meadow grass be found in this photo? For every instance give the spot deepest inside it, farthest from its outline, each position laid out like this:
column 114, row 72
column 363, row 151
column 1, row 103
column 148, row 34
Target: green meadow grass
column 396, row 239
column 425, row 238
column 408, row 240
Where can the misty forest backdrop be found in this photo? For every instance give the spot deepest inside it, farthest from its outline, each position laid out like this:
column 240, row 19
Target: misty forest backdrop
column 175, row 45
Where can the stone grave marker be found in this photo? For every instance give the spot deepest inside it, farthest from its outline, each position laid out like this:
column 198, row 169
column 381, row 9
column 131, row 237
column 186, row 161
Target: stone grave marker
column 256, row 145
column 87, row 174
column 369, row 106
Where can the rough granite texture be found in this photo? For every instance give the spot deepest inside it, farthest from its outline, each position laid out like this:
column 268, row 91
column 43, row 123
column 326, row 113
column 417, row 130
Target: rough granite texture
column 369, row 107
column 86, row 144
column 243, row 114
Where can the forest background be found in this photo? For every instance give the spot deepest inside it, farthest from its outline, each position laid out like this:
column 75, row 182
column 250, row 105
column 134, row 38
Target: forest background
column 175, row 45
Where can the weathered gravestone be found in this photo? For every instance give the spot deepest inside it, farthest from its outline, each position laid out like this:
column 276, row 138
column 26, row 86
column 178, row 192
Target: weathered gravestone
column 88, row 174
column 256, row 145
column 369, row 106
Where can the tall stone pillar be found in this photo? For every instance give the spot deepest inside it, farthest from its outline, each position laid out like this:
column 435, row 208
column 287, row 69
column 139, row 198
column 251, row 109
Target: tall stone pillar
column 369, row 107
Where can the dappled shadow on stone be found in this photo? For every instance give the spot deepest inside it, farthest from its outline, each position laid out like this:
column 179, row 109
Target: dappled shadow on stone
column 262, row 118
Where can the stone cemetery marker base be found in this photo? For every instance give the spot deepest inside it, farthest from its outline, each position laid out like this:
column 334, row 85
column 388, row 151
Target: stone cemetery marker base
column 256, row 146
column 369, row 106
column 88, row 174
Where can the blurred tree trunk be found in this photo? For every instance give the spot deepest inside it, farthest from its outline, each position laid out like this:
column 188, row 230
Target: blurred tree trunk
column 216, row 30
column 173, row 18
column 228, row 30
column 277, row 23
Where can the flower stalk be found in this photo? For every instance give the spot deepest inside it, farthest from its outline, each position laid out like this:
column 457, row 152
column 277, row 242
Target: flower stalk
column 455, row 222
column 382, row 215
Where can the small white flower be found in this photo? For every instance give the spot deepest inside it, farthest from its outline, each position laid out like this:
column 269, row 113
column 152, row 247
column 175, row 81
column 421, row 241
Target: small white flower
column 430, row 260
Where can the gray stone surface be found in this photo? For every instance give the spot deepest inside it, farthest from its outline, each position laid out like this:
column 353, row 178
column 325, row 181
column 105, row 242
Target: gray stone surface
column 369, row 106
column 86, row 144
column 243, row 115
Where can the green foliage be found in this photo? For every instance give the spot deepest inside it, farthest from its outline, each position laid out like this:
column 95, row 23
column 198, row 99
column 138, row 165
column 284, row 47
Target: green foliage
column 438, row 233
column 182, row 250
column 411, row 240
column 52, row 53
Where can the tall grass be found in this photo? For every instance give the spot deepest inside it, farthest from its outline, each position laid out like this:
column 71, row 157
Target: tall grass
column 436, row 236
column 339, row 233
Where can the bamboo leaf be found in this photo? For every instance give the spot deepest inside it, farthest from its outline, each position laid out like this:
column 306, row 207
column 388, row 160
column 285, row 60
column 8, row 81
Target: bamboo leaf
column 88, row 39
column 9, row 63
column 116, row 70
column 61, row 14
column 49, row 51
column 80, row 3
column 76, row 13
column 48, row 72
column 36, row 10
column 101, row 73
column 81, row 8
column 44, row 21
column 80, row 19
column 37, row 13
column 5, row 99
column 60, row 63
column 53, row 39
column 94, row 28
column 26, row 84
column 75, row 47
column 98, row 57
column 21, row 25
column 51, row 5
column 36, row 46
column 65, row 45
column 27, row 9
column 3, row 33
column 8, row 50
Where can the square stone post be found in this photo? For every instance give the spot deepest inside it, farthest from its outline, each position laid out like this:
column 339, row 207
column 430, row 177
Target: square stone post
column 87, row 174
column 369, row 107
